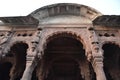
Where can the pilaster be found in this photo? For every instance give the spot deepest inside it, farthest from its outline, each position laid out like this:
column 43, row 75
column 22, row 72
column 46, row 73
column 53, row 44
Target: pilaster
column 98, row 68
column 97, row 55
column 33, row 57
column 30, row 65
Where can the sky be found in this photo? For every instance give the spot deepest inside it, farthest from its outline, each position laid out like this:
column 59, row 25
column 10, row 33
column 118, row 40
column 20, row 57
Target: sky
column 25, row 7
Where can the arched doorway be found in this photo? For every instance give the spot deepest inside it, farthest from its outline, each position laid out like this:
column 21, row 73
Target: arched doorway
column 64, row 59
column 19, row 51
column 111, row 61
column 5, row 70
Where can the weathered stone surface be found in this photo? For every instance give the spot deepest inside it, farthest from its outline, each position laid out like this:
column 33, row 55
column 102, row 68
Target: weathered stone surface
column 108, row 20
column 60, row 42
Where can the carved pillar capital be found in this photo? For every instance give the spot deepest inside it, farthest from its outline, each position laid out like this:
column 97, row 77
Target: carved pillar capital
column 97, row 59
column 35, row 42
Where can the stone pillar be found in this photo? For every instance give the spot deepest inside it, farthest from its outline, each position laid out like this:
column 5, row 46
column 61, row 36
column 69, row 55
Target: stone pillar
column 97, row 55
column 30, row 65
column 98, row 68
column 97, row 61
column 32, row 58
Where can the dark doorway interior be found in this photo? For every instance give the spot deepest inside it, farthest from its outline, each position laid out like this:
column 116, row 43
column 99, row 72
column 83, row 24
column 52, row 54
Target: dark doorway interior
column 5, row 70
column 34, row 75
column 64, row 69
column 111, row 61
column 19, row 51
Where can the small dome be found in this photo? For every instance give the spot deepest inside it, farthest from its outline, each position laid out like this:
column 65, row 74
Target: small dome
column 64, row 12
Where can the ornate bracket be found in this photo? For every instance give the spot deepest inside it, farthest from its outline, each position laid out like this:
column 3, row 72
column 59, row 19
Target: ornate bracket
column 4, row 48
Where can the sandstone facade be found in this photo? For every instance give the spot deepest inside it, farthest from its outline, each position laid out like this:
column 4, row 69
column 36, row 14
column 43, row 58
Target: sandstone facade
column 60, row 42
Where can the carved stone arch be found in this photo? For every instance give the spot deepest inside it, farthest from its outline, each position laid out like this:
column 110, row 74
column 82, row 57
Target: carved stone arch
column 18, row 41
column 107, row 42
column 13, row 42
column 64, row 33
column 70, row 34
column 10, row 61
column 57, row 36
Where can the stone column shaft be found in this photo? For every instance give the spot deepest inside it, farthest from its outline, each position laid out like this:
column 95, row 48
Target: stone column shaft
column 30, row 65
column 98, row 67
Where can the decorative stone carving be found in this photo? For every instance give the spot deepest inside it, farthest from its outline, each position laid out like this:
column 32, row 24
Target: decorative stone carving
column 94, row 42
column 5, row 38
column 64, row 19
column 31, row 64
column 97, row 57
column 4, row 42
column 35, row 41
